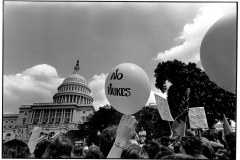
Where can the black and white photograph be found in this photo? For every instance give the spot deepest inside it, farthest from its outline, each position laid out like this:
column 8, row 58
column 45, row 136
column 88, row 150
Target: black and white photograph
column 119, row 79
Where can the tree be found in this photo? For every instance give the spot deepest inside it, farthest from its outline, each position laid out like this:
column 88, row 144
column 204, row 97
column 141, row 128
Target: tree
column 149, row 118
column 104, row 117
column 204, row 93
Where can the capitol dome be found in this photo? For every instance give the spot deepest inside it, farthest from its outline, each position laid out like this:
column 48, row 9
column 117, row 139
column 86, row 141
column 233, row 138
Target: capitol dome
column 74, row 89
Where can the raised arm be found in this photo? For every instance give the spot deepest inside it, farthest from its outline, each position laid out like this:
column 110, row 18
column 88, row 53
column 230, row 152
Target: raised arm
column 124, row 133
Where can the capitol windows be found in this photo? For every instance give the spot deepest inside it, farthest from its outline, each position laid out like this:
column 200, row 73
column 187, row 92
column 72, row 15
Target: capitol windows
column 67, row 115
column 24, row 120
column 36, row 117
column 51, row 117
column 58, row 116
column 45, row 116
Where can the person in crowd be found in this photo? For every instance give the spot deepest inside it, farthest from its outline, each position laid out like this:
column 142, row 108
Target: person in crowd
column 208, row 151
column 176, row 147
column 165, row 141
column 231, row 144
column 209, row 134
column 152, row 149
column 220, row 137
column 85, row 149
column 134, row 151
column 125, row 131
column 163, row 152
column 7, row 137
column 215, row 145
column 15, row 149
column 77, row 152
column 41, row 148
column 190, row 133
column 178, row 156
column 142, row 135
column 41, row 135
column 134, row 139
column 94, row 152
column 60, row 147
column 222, row 154
column 192, row 146
column 107, row 138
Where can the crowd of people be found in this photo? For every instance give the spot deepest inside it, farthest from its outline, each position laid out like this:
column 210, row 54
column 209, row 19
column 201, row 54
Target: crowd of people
column 123, row 142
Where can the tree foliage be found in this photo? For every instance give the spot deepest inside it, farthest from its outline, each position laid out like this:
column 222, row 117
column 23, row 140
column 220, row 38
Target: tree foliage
column 104, row 117
column 203, row 92
column 148, row 118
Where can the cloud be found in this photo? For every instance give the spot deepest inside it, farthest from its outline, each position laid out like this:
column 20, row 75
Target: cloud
column 39, row 84
column 98, row 91
column 193, row 33
column 36, row 84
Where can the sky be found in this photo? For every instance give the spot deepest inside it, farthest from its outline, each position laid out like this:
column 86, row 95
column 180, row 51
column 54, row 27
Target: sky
column 44, row 40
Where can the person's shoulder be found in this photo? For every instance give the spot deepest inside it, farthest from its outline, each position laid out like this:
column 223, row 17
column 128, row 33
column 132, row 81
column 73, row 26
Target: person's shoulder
column 200, row 156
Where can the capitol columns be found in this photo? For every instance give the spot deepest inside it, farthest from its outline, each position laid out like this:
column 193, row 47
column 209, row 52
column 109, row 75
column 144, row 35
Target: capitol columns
column 74, row 115
column 71, row 115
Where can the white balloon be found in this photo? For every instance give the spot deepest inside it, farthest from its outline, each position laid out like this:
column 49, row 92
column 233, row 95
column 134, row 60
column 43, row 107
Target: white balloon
column 218, row 52
column 127, row 88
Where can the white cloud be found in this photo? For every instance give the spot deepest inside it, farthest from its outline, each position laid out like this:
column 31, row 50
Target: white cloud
column 98, row 91
column 36, row 84
column 39, row 84
column 193, row 33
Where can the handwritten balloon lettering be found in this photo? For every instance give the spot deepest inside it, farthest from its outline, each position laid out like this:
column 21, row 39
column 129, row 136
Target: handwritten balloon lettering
column 118, row 91
column 117, row 75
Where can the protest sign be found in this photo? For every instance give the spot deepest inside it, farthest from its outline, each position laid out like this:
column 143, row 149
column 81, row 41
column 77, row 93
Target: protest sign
column 34, row 139
column 163, row 108
column 197, row 118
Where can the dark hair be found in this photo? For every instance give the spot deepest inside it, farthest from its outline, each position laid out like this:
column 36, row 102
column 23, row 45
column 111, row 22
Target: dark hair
column 209, row 135
column 231, row 142
column 164, row 141
column 190, row 133
column 152, row 149
column 163, row 152
column 192, row 145
column 8, row 134
column 41, row 148
column 107, row 139
column 60, row 147
column 178, row 156
column 177, row 148
column 208, row 151
column 15, row 149
column 77, row 151
column 94, row 152
column 133, row 151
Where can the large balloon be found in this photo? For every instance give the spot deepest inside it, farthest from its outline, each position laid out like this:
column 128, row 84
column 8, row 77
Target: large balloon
column 127, row 88
column 218, row 52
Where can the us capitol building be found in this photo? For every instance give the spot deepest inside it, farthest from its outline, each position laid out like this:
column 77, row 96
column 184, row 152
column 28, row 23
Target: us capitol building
column 70, row 107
